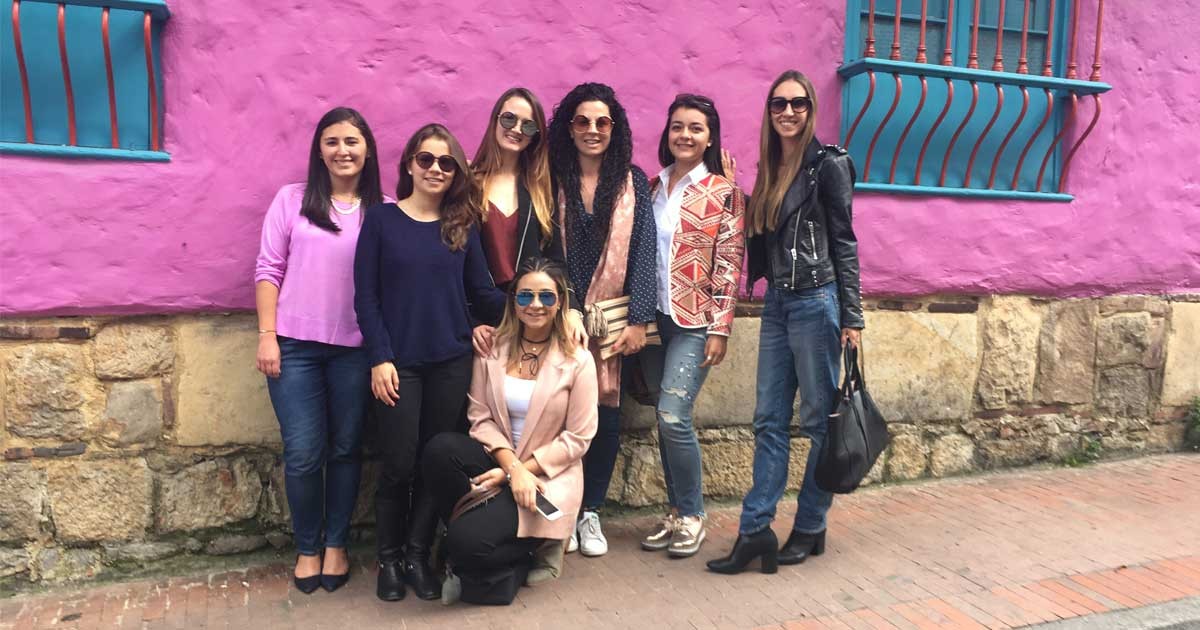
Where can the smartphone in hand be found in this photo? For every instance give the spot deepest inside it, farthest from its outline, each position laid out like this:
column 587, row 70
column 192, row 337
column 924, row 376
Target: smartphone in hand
column 548, row 510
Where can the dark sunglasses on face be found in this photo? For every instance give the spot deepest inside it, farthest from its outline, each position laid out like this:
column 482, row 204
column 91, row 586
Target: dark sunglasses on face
column 426, row 159
column 547, row 298
column 581, row 124
column 800, row 104
column 509, row 120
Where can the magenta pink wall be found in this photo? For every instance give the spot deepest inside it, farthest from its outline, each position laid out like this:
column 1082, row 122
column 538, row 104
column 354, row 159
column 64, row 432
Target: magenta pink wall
column 246, row 80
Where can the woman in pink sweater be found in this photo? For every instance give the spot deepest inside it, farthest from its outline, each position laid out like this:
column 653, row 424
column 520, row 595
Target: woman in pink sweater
column 309, row 344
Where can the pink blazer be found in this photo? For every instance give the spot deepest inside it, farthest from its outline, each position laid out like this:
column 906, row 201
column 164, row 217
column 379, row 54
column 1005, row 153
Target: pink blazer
column 558, row 429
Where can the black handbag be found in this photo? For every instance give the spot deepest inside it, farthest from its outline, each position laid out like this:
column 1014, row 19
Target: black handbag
column 857, row 433
column 641, row 380
column 494, row 587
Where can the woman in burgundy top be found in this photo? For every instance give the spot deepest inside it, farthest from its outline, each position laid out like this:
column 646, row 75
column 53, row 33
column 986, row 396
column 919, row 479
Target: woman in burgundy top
column 512, row 170
column 514, row 186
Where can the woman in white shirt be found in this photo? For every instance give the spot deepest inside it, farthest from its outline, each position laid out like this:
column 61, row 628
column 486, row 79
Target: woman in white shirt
column 698, row 214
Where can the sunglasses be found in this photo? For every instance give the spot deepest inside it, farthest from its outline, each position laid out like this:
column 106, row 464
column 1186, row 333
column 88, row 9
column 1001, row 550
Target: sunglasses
column 547, row 298
column 509, row 120
column 703, row 100
column 582, row 124
column 800, row 104
column 426, row 159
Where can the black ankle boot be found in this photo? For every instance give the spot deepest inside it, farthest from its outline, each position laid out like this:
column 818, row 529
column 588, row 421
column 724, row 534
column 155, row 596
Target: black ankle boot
column 390, row 587
column 421, row 525
column 420, row 578
column 800, row 546
column 747, row 548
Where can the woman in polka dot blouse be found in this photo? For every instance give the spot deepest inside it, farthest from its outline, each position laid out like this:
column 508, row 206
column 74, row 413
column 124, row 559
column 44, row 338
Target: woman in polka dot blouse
column 607, row 219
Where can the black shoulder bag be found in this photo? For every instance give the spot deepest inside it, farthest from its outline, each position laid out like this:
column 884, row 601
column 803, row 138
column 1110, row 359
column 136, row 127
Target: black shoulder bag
column 857, row 432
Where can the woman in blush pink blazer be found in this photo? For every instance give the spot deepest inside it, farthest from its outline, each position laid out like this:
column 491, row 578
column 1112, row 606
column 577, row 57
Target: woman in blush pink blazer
column 532, row 409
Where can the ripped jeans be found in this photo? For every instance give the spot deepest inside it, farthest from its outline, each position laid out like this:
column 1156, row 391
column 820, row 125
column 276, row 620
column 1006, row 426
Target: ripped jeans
column 679, row 357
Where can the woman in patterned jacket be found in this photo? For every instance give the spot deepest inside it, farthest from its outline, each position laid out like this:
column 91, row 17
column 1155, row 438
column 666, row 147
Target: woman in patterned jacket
column 698, row 214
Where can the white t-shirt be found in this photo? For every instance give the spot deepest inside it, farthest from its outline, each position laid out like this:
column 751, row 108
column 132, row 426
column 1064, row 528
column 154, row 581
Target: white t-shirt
column 517, row 393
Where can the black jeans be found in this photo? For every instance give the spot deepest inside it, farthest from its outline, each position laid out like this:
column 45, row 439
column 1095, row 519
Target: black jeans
column 486, row 537
column 433, row 400
column 601, row 458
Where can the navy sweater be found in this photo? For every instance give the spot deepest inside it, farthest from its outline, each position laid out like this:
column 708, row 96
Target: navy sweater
column 414, row 298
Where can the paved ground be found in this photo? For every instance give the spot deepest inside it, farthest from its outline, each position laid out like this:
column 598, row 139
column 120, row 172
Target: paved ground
column 996, row 551
column 1181, row 614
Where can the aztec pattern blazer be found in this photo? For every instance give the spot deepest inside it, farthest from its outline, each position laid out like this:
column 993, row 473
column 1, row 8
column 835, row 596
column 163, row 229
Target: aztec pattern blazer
column 706, row 254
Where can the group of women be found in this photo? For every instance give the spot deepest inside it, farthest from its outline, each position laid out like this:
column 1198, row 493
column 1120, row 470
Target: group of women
column 469, row 314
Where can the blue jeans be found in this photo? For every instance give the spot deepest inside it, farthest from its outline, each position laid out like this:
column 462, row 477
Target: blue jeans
column 798, row 347
column 320, row 399
column 676, row 366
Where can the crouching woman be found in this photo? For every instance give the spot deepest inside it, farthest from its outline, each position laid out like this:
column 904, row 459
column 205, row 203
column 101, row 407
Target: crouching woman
column 532, row 409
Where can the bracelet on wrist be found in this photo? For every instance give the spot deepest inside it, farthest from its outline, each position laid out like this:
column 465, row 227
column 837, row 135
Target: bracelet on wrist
column 265, row 331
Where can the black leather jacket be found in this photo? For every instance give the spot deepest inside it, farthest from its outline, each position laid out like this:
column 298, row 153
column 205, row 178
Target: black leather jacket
column 530, row 235
column 814, row 243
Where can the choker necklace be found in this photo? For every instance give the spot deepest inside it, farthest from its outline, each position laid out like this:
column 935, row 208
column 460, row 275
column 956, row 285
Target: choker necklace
column 534, row 358
column 353, row 206
column 542, row 340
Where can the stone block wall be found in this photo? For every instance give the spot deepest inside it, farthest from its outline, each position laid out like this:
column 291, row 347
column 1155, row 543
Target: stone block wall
column 127, row 440
column 967, row 384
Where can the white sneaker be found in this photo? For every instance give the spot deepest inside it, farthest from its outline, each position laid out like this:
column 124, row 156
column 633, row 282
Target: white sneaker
column 592, row 542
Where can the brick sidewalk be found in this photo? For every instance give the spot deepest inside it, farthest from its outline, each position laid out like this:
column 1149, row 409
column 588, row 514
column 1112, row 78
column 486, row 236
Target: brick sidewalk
column 996, row 551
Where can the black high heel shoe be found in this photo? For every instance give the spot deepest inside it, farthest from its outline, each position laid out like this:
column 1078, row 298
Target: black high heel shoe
column 331, row 582
column 800, row 546
column 761, row 545
column 308, row 584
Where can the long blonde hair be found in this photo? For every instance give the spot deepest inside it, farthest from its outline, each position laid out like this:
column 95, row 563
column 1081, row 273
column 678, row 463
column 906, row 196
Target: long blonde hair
column 533, row 162
column 775, row 175
column 510, row 329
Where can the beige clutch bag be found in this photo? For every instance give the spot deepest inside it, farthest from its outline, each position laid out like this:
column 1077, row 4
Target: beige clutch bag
column 605, row 320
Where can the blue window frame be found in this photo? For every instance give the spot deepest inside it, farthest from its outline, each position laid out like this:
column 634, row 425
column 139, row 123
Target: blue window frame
column 954, row 143
column 32, row 72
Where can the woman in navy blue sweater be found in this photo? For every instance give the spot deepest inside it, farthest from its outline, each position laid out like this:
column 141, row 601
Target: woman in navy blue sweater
column 420, row 278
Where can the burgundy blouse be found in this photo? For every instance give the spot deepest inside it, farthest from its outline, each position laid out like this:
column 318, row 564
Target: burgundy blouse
column 500, row 244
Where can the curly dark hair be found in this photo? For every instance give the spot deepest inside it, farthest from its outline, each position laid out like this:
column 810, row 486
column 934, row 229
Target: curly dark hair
column 564, row 157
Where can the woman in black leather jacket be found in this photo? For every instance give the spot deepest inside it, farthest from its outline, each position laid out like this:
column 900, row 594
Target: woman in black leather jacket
column 803, row 243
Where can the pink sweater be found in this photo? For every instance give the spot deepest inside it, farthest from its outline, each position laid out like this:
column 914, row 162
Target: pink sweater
column 314, row 270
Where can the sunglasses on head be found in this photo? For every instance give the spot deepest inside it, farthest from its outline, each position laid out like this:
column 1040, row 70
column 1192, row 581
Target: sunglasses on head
column 509, row 120
column 525, row 297
column 703, row 100
column 581, row 124
column 800, row 104
column 426, row 159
